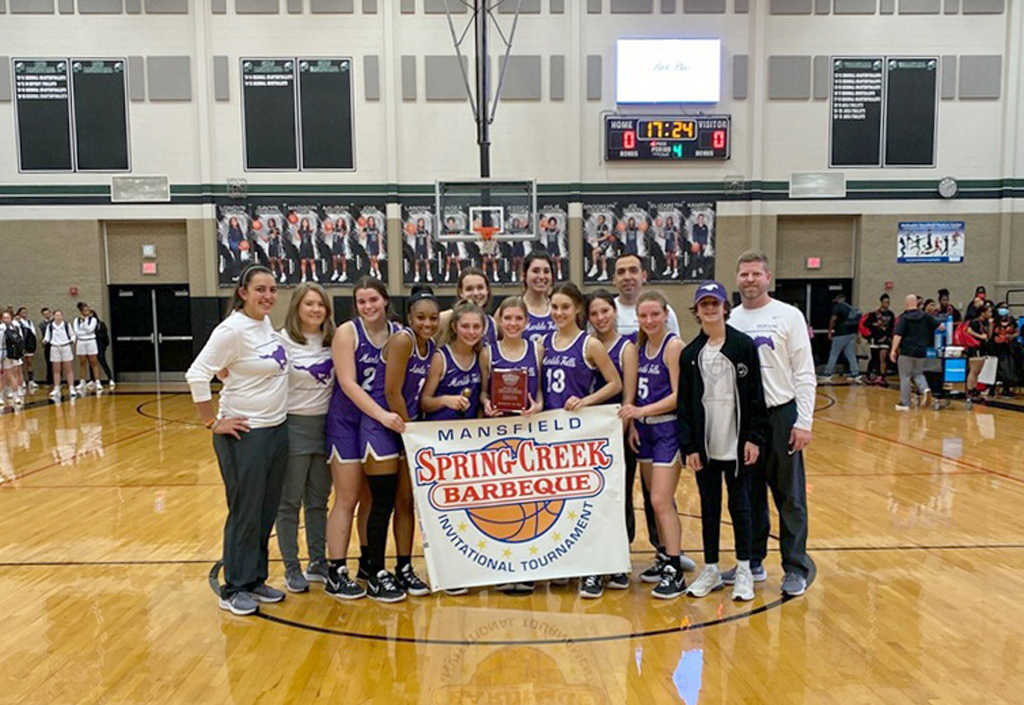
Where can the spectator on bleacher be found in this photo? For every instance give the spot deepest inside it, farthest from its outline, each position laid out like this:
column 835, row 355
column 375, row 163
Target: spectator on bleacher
column 915, row 331
column 946, row 308
column 879, row 325
column 931, row 307
column 842, row 331
column 1007, row 349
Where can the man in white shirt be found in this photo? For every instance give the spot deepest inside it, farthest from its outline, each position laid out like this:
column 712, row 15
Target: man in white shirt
column 629, row 280
column 787, row 370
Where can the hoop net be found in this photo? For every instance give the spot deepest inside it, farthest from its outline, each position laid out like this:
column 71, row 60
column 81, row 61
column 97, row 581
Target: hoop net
column 486, row 232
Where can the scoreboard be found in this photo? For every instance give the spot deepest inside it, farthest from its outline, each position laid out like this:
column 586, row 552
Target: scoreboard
column 658, row 138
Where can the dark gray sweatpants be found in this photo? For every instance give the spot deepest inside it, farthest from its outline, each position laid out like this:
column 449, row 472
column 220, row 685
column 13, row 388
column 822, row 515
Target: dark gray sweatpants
column 307, row 482
column 253, row 470
column 783, row 472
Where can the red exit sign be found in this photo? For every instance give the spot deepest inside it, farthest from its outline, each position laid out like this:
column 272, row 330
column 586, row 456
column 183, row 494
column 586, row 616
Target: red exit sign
column 149, row 267
column 814, row 262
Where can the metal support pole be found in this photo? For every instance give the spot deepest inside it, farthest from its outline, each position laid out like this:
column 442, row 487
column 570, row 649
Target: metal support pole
column 483, row 89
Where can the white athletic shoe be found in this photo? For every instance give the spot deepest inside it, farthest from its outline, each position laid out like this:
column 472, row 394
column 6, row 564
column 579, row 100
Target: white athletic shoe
column 19, row 400
column 55, row 393
column 592, row 272
column 33, row 387
column 603, row 277
column 99, row 388
column 112, row 384
column 743, row 588
column 709, row 580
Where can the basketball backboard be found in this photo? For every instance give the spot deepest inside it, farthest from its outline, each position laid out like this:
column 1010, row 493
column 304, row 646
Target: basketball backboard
column 505, row 209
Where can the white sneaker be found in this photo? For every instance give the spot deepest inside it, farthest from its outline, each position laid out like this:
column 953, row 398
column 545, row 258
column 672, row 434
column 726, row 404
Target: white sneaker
column 112, row 384
column 33, row 387
column 592, row 272
column 709, row 580
column 743, row 588
column 99, row 388
column 55, row 393
column 73, row 392
column 603, row 277
column 90, row 385
column 19, row 400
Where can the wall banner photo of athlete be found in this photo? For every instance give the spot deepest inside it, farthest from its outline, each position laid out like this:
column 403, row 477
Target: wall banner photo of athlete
column 333, row 244
column 673, row 238
column 436, row 248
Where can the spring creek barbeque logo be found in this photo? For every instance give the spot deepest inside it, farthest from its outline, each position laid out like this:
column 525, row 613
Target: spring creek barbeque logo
column 513, row 490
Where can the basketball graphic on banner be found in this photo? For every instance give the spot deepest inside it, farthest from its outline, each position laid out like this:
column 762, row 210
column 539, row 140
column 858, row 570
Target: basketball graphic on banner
column 515, row 523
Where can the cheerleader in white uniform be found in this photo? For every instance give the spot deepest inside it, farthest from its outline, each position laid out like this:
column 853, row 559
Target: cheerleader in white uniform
column 87, row 348
column 60, row 336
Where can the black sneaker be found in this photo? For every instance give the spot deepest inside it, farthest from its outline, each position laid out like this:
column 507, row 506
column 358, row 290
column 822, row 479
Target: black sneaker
column 343, row 587
column 619, row 581
column 383, row 588
column 672, row 584
column 410, row 582
column 521, row 588
column 592, row 586
column 653, row 574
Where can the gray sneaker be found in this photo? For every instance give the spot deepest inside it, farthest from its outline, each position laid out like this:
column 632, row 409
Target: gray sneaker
column 316, row 572
column 294, row 580
column 757, row 571
column 709, row 580
column 794, row 585
column 686, row 563
column 265, row 593
column 240, row 603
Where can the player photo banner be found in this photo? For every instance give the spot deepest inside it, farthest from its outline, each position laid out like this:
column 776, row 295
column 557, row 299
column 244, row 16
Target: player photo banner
column 514, row 499
column 333, row 244
column 940, row 242
column 673, row 238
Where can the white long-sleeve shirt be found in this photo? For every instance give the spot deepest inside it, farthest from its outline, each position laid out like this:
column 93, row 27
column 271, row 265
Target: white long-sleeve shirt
column 627, row 323
column 257, row 384
column 787, row 363
column 85, row 328
column 59, row 335
column 310, row 375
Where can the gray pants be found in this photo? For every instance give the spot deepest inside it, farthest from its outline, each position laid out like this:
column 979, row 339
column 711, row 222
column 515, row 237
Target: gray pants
column 845, row 345
column 911, row 370
column 307, row 481
column 783, row 472
column 253, row 471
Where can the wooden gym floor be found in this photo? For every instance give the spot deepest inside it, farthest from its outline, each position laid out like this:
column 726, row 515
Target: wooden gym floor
column 111, row 512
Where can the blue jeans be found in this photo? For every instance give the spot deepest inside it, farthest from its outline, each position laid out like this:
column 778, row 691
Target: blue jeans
column 845, row 345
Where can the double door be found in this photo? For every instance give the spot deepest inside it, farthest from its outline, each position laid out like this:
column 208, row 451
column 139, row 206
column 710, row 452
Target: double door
column 151, row 327
column 814, row 297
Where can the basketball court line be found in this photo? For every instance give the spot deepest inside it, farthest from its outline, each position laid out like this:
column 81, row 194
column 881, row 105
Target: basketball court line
column 65, row 461
column 926, row 451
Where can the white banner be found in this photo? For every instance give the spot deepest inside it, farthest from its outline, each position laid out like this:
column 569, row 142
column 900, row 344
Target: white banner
column 514, row 499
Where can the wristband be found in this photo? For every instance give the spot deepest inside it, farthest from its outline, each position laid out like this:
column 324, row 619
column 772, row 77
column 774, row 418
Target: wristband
column 212, row 423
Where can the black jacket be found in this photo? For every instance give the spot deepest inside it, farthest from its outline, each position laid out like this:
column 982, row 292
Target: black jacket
column 752, row 424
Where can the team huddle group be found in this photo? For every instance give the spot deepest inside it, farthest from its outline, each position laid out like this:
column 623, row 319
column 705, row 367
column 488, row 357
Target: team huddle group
column 311, row 407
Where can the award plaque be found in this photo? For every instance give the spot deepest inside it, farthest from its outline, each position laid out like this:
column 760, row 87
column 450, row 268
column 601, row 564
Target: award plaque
column 509, row 390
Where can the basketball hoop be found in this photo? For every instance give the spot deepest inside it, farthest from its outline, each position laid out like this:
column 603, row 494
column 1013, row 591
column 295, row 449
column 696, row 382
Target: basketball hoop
column 486, row 231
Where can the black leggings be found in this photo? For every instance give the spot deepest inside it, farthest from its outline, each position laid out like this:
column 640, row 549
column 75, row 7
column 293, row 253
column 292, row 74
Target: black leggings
column 709, row 482
column 383, row 489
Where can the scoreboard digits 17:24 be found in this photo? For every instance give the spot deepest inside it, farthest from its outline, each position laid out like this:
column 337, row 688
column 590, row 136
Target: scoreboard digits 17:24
column 655, row 137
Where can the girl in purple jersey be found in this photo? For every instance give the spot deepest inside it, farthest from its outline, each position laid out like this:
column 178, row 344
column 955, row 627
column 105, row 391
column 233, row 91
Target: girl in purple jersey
column 356, row 353
column 654, row 435
column 538, row 268
column 601, row 313
column 401, row 375
column 574, row 363
column 513, row 352
column 473, row 286
column 452, row 390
